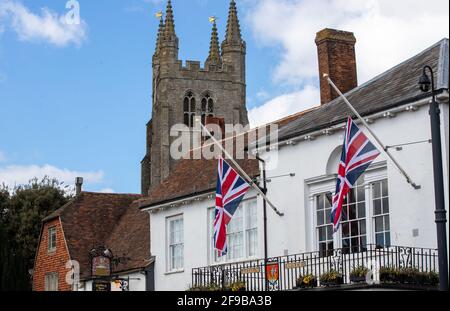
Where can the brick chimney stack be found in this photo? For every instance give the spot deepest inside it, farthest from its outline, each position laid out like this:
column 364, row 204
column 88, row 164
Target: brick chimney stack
column 337, row 58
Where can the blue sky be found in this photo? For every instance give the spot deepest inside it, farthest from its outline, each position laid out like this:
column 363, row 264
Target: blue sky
column 75, row 101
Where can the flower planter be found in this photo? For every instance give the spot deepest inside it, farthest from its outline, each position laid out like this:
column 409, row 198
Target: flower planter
column 336, row 282
column 357, row 279
column 310, row 285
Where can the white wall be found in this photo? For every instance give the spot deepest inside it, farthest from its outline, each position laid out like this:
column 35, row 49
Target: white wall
column 293, row 233
column 196, row 242
column 410, row 209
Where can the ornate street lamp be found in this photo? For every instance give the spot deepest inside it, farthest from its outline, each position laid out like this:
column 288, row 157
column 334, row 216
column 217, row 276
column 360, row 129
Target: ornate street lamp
column 426, row 83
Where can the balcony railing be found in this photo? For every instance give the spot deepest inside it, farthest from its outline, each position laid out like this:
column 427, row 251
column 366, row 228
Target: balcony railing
column 282, row 272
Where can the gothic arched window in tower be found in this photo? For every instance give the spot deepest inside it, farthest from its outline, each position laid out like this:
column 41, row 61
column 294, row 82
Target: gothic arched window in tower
column 207, row 107
column 189, row 109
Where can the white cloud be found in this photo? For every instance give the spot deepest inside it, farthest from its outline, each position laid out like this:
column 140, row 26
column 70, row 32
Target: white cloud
column 17, row 175
column 388, row 32
column 46, row 27
column 283, row 106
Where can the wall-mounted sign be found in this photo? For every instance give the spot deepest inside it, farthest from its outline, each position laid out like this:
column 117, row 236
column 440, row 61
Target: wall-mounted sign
column 295, row 265
column 101, row 286
column 250, row 270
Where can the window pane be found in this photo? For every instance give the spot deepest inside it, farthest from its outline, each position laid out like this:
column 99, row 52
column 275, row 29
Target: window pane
column 377, row 207
column 320, row 218
column 378, row 224
column 376, row 190
column 186, row 104
column 346, row 230
column 384, row 185
column 362, row 227
column 192, row 104
column 361, row 210
column 386, row 205
column 322, row 234
column 380, row 239
column 352, row 211
column 204, row 104
column 345, row 243
column 354, row 228
column 361, row 192
column 211, row 106
column 320, row 203
column 387, row 236
column 328, row 216
column 387, row 224
column 330, row 233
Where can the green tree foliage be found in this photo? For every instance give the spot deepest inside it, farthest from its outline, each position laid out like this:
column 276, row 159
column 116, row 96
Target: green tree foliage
column 21, row 212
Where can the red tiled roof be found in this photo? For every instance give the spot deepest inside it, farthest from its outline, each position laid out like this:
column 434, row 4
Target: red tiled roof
column 190, row 177
column 98, row 219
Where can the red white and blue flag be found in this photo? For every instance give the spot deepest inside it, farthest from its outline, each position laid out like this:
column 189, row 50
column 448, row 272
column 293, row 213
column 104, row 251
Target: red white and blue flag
column 357, row 155
column 231, row 189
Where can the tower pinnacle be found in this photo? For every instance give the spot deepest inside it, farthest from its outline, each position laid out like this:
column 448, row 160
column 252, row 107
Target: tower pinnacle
column 169, row 31
column 233, row 35
column 214, row 49
column 160, row 34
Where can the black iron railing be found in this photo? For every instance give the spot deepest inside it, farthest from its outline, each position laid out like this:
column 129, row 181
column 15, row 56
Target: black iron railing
column 283, row 272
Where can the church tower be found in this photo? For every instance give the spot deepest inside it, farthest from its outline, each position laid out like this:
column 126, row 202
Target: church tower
column 181, row 92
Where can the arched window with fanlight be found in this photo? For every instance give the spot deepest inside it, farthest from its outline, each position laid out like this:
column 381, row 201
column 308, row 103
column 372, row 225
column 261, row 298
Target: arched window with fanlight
column 189, row 109
column 207, row 107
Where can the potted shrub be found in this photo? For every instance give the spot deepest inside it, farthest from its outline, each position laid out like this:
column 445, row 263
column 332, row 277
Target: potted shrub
column 359, row 274
column 388, row 275
column 433, row 278
column 409, row 276
column 307, row 281
column 238, row 287
column 207, row 288
column 331, row 278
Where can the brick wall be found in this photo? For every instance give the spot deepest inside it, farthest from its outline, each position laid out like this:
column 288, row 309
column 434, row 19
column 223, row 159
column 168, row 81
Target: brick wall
column 54, row 262
column 337, row 58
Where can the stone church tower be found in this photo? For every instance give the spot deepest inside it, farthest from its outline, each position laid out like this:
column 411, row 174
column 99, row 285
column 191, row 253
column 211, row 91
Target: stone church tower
column 181, row 92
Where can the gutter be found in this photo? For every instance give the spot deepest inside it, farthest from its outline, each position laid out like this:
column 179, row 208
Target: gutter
column 330, row 128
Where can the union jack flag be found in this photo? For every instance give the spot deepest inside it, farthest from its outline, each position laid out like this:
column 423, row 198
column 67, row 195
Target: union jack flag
column 230, row 191
column 357, row 155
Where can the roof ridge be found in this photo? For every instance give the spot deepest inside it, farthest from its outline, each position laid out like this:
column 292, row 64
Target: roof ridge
column 390, row 70
column 107, row 193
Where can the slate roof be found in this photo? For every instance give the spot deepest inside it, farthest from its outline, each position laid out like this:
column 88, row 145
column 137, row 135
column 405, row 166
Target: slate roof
column 392, row 88
column 191, row 177
column 99, row 219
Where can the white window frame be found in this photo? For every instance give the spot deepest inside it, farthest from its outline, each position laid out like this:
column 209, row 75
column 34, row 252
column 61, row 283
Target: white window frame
column 373, row 216
column 169, row 268
column 50, row 248
column 245, row 230
column 322, row 184
column 51, row 282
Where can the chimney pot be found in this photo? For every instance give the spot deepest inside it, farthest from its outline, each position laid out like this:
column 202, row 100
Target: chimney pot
column 78, row 185
column 337, row 59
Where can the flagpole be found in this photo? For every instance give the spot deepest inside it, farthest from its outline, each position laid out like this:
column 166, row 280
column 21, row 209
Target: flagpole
column 249, row 180
column 385, row 149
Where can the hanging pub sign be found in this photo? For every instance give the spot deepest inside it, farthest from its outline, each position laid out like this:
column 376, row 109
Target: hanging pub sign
column 101, row 266
column 101, row 260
